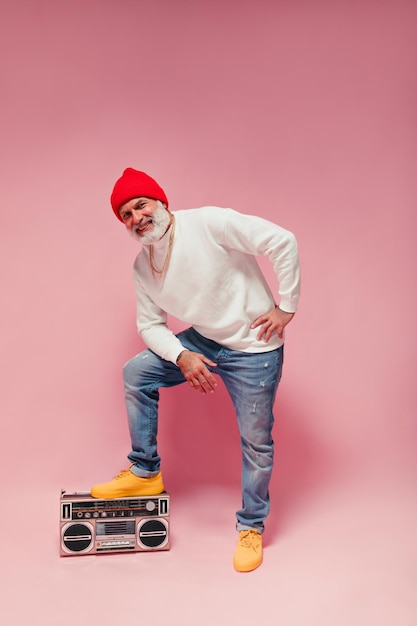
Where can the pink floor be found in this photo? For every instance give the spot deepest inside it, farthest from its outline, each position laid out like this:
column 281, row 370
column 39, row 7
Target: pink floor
column 344, row 555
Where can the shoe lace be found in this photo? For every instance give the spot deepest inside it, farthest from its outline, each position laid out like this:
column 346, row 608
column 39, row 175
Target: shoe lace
column 250, row 539
column 121, row 474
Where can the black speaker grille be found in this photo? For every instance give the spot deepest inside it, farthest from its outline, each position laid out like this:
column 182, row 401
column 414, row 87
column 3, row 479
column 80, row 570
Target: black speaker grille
column 77, row 537
column 153, row 533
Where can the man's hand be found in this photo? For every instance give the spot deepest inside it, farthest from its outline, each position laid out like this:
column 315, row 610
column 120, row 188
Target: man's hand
column 273, row 322
column 193, row 368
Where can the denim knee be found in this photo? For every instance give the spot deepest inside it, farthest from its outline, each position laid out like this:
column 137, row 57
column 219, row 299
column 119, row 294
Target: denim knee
column 133, row 369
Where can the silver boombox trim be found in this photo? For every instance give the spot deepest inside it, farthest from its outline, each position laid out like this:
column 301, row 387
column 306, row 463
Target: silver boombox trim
column 96, row 526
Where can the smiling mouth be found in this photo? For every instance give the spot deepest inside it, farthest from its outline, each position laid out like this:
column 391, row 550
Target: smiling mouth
column 143, row 227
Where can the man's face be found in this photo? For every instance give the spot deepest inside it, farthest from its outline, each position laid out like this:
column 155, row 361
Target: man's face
column 146, row 219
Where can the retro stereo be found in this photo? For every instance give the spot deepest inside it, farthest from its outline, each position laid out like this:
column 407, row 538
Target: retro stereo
column 95, row 526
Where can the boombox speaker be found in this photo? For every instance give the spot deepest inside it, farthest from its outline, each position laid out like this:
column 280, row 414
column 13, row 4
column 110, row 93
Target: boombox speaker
column 95, row 526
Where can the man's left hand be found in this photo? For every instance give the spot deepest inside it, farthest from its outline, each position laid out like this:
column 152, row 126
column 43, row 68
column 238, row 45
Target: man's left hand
column 273, row 322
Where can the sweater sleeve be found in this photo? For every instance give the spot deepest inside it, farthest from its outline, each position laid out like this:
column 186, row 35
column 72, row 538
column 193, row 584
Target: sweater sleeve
column 151, row 323
column 255, row 235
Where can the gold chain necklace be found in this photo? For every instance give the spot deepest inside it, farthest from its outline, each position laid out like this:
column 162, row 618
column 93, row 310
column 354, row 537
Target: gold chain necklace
column 156, row 273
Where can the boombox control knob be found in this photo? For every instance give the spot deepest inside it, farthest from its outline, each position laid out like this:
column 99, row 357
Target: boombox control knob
column 150, row 505
column 103, row 514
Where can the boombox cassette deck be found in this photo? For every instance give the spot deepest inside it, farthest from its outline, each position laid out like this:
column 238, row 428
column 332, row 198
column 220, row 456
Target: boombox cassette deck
column 96, row 526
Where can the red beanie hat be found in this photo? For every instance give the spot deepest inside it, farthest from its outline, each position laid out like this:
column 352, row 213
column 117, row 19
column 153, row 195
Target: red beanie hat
column 135, row 184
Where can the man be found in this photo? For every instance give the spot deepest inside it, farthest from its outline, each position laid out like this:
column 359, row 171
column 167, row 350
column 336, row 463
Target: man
column 199, row 265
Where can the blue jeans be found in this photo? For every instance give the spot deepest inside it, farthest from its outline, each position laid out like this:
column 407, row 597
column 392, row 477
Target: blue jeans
column 251, row 379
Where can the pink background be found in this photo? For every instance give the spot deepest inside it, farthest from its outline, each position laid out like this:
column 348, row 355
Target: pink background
column 303, row 113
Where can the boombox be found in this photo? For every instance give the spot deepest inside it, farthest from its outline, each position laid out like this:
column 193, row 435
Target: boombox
column 95, row 526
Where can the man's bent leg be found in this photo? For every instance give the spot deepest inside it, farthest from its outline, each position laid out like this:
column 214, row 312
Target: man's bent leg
column 143, row 376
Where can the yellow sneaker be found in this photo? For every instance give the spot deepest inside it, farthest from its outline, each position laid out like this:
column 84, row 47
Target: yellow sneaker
column 127, row 484
column 248, row 553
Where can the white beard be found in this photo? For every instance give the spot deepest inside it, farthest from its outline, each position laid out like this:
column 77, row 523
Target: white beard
column 160, row 221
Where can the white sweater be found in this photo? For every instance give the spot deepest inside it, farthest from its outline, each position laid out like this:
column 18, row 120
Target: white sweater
column 213, row 281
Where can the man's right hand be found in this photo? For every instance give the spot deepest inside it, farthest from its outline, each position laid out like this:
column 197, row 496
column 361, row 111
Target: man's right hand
column 193, row 368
